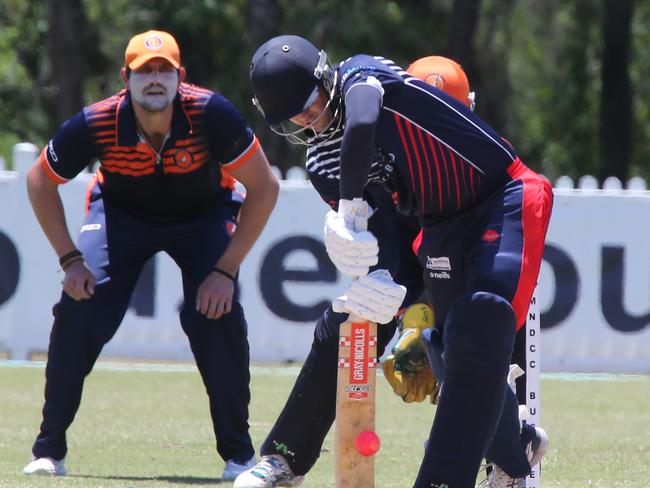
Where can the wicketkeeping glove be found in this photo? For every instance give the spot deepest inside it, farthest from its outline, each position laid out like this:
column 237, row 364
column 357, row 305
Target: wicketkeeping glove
column 407, row 369
column 352, row 249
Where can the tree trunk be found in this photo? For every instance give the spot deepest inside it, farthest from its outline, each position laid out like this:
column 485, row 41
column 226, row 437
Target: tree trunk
column 265, row 18
column 616, row 120
column 66, row 22
column 464, row 18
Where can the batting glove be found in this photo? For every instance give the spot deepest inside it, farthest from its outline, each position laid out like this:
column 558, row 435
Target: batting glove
column 374, row 297
column 352, row 249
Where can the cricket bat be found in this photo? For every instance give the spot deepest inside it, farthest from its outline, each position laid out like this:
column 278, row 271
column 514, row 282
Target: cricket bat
column 355, row 402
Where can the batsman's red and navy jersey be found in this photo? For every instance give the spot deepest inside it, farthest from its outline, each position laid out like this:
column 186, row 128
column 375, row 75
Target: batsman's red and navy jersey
column 208, row 135
column 484, row 213
column 446, row 155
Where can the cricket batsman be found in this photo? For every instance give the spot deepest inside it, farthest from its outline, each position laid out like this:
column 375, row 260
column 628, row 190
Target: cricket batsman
column 483, row 215
column 308, row 101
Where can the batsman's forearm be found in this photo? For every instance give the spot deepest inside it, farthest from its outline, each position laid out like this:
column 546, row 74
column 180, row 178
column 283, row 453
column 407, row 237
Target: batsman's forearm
column 253, row 215
column 363, row 105
column 49, row 212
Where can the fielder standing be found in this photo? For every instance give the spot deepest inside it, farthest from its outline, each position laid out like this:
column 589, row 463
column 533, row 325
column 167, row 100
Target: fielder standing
column 163, row 146
column 484, row 217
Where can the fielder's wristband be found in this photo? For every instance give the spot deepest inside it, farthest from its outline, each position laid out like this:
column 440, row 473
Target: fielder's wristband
column 67, row 259
column 225, row 273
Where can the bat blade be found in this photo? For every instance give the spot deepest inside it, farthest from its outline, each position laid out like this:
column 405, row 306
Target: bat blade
column 355, row 402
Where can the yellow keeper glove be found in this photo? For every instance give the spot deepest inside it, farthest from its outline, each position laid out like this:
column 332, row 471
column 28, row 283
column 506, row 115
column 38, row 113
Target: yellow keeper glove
column 407, row 369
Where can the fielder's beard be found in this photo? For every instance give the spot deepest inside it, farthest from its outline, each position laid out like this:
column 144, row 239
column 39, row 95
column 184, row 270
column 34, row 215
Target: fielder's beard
column 154, row 91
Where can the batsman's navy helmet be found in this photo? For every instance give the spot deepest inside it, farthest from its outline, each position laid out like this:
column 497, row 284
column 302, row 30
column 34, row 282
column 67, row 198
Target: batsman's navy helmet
column 286, row 73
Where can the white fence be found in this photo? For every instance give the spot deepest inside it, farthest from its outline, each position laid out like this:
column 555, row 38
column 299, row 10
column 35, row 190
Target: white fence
column 594, row 291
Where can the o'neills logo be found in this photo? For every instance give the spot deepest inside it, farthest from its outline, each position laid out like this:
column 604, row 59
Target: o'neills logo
column 359, row 352
column 438, row 264
column 490, row 235
column 50, row 148
column 153, row 42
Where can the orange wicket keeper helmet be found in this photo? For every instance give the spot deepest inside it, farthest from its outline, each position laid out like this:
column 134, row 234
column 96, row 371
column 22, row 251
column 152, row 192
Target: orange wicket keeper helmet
column 445, row 74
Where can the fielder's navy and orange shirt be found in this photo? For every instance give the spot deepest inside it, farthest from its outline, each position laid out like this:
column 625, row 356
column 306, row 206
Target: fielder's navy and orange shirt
column 208, row 135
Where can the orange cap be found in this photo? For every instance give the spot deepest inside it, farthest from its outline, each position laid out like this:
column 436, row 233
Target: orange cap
column 151, row 45
column 443, row 73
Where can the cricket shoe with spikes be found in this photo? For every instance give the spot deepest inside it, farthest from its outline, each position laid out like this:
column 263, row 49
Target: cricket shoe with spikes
column 232, row 469
column 270, row 472
column 45, row 466
column 535, row 450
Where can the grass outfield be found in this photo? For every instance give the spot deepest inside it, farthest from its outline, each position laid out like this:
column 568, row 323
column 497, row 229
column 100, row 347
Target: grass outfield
column 148, row 426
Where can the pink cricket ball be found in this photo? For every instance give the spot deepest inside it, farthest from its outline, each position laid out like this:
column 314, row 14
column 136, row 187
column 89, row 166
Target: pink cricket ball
column 367, row 443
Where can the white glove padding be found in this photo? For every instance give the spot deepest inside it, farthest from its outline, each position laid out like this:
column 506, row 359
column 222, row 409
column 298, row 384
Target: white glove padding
column 374, row 297
column 514, row 372
column 349, row 245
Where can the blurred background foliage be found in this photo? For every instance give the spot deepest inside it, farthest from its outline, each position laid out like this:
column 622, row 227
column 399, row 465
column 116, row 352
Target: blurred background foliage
column 566, row 81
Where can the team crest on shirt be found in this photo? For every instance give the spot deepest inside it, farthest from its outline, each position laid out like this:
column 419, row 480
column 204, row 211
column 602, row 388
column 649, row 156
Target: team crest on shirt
column 183, row 158
column 490, row 236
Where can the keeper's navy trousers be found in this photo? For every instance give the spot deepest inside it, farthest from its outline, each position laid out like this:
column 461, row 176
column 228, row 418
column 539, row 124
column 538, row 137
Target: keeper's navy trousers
column 116, row 246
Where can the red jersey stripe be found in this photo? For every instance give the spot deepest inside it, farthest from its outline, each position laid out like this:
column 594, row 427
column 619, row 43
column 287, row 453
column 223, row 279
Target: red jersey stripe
column 417, row 242
column 426, row 159
column 535, row 216
column 471, row 181
column 454, row 165
column 409, row 128
column 444, row 163
column 398, row 123
column 435, row 159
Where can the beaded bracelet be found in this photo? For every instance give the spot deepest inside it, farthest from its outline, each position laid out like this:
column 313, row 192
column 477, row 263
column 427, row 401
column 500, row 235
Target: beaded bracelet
column 225, row 273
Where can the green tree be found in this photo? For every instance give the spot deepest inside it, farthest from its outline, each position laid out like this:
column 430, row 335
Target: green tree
column 548, row 73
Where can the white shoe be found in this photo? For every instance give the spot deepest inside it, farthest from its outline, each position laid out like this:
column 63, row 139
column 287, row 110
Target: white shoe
column 535, row 450
column 45, row 466
column 234, row 469
column 270, row 472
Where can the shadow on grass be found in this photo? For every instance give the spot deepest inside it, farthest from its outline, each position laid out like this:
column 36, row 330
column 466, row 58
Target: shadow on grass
column 183, row 480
